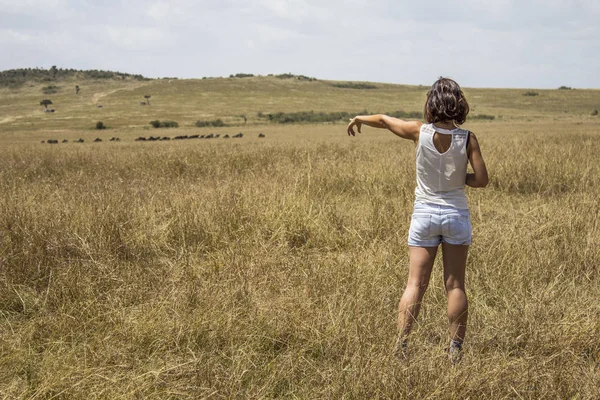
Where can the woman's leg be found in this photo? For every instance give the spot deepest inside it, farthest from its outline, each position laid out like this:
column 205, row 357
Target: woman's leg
column 420, row 265
column 455, row 261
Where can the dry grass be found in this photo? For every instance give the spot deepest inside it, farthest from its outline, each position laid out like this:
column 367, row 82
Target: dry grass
column 272, row 268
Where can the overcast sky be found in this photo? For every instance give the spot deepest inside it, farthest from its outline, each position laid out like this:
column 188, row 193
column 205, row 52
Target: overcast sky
column 496, row 43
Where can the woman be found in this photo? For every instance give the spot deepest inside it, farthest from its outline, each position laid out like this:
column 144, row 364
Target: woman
column 441, row 212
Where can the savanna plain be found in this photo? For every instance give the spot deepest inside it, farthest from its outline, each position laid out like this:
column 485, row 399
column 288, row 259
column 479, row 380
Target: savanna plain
column 272, row 267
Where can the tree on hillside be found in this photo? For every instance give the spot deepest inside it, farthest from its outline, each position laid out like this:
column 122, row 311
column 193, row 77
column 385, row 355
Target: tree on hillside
column 45, row 103
column 147, row 97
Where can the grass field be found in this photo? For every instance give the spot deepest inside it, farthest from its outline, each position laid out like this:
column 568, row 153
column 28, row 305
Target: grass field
column 263, row 268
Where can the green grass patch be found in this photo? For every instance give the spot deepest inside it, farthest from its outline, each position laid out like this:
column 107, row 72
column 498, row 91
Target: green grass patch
column 354, row 85
column 164, row 124
column 214, row 123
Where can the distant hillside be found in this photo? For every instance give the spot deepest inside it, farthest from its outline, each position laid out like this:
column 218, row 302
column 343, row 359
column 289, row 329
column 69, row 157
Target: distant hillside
column 81, row 99
column 17, row 77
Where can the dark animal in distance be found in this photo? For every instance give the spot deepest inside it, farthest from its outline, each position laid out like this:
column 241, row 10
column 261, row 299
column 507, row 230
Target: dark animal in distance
column 115, row 139
column 261, row 135
column 79, row 140
column 65, row 141
column 52, row 141
column 97, row 139
column 239, row 135
column 226, row 137
column 140, row 139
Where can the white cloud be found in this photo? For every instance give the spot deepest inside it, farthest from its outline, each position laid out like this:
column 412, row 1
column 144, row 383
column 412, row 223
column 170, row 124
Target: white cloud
column 32, row 6
column 482, row 43
column 139, row 38
column 9, row 36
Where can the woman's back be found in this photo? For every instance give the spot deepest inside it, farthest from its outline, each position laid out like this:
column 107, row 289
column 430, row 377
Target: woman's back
column 441, row 175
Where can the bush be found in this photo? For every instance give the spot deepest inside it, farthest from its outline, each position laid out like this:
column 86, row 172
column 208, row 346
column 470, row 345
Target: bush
column 15, row 78
column 216, row 123
column 322, row 117
column 164, row 124
column 292, row 76
column 170, row 124
column 565, row 88
column 405, row 114
column 51, row 89
column 595, row 112
column 354, row 85
column 482, row 116
column 307, row 116
column 241, row 76
column 100, row 125
column 531, row 93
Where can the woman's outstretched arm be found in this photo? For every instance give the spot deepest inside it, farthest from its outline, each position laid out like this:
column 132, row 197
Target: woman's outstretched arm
column 404, row 129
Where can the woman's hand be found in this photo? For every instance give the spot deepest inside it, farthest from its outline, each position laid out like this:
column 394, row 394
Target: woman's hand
column 354, row 122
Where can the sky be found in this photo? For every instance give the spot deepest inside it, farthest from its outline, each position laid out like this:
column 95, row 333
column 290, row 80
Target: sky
column 497, row 43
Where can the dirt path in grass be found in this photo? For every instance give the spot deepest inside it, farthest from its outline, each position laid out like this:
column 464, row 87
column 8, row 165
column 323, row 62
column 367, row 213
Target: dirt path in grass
column 97, row 96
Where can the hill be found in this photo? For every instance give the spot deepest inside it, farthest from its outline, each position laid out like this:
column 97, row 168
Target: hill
column 15, row 78
column 116, row 99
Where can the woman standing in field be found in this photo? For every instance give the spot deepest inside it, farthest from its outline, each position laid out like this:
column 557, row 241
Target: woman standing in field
column 441, row 212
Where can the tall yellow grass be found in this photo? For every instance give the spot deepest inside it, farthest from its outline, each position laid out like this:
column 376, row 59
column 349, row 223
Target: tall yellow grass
column 272, row 268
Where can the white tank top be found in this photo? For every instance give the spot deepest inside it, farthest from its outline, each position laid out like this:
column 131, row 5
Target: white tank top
column 441, row 176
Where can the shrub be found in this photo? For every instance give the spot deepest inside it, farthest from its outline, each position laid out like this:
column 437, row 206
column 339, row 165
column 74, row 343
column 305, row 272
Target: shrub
column 595, row 112
column 322, row 117
column 15, row 78
column 482, row 116
column 405, row 114
column 307, row 116
column 164, row 124
column 292, row 76
column 354, row 85
column 531, row 93
column 305, row 78
column 565, row 88
column 100, row 125
column 170, row 124
column 50, row 89
column 215, row 123
column 241, row 76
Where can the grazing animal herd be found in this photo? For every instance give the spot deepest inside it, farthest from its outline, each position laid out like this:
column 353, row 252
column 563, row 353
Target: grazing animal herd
column 158, row 138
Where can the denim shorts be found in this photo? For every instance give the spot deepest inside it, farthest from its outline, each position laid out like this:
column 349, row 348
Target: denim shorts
column 432, row 224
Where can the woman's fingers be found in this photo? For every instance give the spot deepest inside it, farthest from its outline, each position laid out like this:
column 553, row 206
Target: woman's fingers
column 351, row 127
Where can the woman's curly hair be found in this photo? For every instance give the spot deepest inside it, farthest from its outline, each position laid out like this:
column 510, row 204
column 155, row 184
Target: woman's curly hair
column 446, row 102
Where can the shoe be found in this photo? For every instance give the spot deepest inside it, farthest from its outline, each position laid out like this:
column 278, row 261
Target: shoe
column 400, row 349
column 455, row 354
